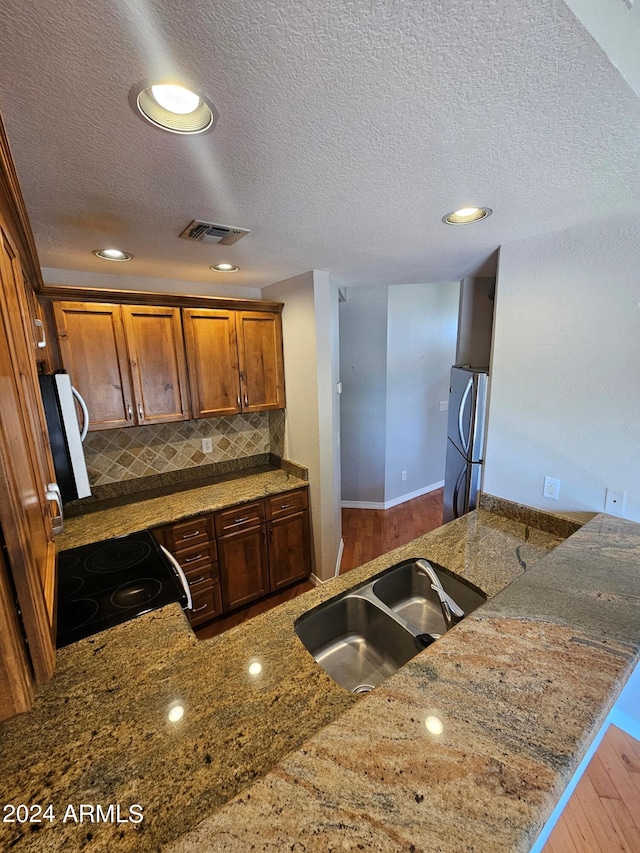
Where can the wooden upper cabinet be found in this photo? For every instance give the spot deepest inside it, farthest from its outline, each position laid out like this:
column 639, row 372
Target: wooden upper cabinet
column 93, row 351
column 261, row 361
column 157, row 362
column 126, row 361
column 235, row 361
column 212, row 357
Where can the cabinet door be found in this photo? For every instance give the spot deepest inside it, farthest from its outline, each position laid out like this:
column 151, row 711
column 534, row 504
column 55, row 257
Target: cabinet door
column 25, row 471
column 244, row 573
column 157, row 362
column 93, row 351
column 289, row 549
column 261, row 360
column 212, row 358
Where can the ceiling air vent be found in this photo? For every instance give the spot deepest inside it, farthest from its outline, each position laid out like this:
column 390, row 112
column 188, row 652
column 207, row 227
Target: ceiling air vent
column 209, row 232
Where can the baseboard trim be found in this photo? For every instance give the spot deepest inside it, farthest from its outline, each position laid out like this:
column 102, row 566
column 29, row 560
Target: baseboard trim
column 395, row 501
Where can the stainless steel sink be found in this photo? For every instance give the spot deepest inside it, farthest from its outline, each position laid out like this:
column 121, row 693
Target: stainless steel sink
column 408, row 592
column 365, row 635
column 356, row 642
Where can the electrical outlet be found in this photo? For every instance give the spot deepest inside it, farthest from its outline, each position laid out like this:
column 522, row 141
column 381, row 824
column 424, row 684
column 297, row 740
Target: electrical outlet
column 614, row 502
column 207, row 445
column 444, row 405
column 551, row 488
column 403, row 476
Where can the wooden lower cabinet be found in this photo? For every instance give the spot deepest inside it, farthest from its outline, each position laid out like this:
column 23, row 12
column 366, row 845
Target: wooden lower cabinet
column 193, row 544
column 244, row 568
column 207, row 604
column 241, row 554
column 289, row 546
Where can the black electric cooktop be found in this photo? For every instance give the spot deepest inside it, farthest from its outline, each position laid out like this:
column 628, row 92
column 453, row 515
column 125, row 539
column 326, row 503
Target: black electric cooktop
column 110, row 582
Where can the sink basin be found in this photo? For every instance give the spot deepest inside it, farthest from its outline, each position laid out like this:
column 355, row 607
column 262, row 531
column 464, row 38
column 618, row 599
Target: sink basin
column 356, row 642
column 408, row 593
column 363, row 636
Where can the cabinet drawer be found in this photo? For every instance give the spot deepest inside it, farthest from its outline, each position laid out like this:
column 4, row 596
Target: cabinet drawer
column 206, row 605
column 196, row 554
column 239, row 518
column 186, row 533
column 287, row 503
column 199, row 574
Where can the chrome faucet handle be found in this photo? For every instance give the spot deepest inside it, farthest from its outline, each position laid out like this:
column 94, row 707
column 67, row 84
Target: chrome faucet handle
column 450, row 610
column 455, row 609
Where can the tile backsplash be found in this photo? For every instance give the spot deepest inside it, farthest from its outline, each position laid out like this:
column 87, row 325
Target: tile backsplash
column 123, row 454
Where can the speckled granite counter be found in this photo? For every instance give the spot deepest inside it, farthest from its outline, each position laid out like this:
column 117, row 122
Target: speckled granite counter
column 521, row 686
column 153, row 512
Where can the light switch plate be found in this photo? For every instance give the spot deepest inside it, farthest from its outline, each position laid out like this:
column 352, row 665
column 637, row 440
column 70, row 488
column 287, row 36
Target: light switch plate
column 207, row 445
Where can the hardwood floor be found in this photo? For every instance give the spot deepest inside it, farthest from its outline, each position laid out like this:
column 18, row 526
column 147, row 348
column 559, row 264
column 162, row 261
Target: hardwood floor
column 603, row 813
column 368, row 533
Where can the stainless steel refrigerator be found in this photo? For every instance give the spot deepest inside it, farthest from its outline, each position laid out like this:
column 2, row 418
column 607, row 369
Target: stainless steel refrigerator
column 465, row 440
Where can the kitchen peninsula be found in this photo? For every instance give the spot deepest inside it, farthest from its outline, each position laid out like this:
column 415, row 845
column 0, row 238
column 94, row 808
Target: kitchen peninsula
column 286, row 756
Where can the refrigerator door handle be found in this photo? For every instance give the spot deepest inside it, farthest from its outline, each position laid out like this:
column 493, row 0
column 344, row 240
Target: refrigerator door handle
column 456, row 492
column 464, row 441
column 85, row 413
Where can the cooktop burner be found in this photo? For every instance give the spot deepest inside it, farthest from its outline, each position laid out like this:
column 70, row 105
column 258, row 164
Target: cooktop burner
column 110, row 582
column 117, row 555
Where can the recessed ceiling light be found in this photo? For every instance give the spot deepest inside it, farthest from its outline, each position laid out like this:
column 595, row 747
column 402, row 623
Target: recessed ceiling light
column 112, row 255
column 224, row 268
column 467, row 214
column 173, row 107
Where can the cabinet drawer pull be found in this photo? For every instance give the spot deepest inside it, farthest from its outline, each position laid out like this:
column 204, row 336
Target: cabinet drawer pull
column 241, row 519
column 193, row 559
column 198, row 580
column 190, row 535
column 201, row 608
column 140, row 412
column 246, row 399
column 129, row 412
column 286, row 506
column 239, row 403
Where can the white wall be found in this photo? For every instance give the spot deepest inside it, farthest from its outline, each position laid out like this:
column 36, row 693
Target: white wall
column 616, row 28
column 565, row 386
column 309, row 326
column 363, row 407
column 397, row 345
column 421, row 347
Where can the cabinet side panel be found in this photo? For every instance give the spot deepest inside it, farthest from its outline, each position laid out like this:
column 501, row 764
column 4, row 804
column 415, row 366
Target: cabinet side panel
column 16, row 690
column 30, row 551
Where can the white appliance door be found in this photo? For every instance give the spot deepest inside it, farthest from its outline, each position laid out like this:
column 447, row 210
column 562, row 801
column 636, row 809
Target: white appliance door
column 72, row 431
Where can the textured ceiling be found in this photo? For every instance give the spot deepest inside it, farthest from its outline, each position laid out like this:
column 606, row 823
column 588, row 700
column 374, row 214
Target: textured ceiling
column 347, row 129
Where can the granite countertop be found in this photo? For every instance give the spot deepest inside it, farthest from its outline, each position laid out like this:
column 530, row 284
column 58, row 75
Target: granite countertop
column 287, row 757
column 138, row 514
